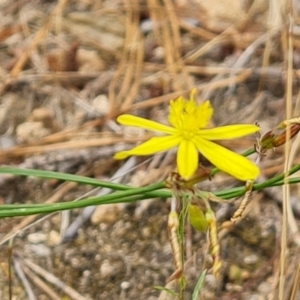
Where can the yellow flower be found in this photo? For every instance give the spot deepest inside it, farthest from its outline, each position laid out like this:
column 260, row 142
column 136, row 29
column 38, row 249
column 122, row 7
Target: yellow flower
column 187, row 132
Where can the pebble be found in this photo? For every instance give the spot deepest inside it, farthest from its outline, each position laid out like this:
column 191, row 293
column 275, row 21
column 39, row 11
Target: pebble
column 251, row 259
column 37, row 237
column 107, row 213
column 106, row 269
column 40, row 250
column 54, row 238
column 101, row 105
column 125, row 285
column 32, row 131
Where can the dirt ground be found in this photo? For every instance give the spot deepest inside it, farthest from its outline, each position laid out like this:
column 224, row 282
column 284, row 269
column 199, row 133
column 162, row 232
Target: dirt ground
column 67, row 70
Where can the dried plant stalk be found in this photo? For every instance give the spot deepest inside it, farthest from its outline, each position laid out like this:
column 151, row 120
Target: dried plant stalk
column 239, row 212
column 173, row 226
column 192, row 197
column 214, row 242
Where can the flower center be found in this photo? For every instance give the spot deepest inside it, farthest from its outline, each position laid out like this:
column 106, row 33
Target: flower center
column 187, row 134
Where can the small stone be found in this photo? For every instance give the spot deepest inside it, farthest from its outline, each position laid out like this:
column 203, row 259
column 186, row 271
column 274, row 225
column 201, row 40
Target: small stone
column 106, row 269
column 251, row 259
column 146, row 232
column 54, row 238
column 125, row 285
column 45, row 116
column 107, row 213
column 36, row 238
column 101, row 105
column 40, row 250
column 159, row 53
column 31, row 132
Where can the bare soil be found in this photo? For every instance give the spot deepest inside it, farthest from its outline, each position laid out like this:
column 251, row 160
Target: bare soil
column 67, row 70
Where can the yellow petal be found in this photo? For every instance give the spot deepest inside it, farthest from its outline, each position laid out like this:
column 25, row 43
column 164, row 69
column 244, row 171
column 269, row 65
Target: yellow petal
column 228, row 161
column 204, row 114
column 176, row 112
column 154, row 145
column 187, row 159
column 130, row 120
column 228, row 132
column 121, row 155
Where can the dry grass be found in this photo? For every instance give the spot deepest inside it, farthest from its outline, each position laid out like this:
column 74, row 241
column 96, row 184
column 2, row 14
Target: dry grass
column 68, row 68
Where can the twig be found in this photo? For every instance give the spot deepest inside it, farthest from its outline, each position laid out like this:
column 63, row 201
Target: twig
column 19, row 270
column 41, row 284
column 54, row 280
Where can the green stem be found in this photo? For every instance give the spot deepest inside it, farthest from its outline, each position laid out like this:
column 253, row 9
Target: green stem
column 64, row 177
column 50, row 208
column 125, row 193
